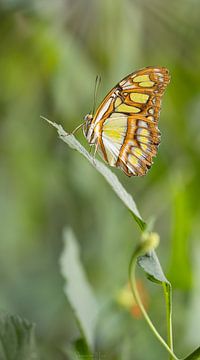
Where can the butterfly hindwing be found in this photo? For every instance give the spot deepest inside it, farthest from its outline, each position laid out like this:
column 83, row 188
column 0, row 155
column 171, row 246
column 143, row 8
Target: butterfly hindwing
column 114, row 132
column 139, row 147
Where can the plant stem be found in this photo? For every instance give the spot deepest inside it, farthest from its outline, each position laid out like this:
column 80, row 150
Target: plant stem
column 168, row 302
column 136, row 295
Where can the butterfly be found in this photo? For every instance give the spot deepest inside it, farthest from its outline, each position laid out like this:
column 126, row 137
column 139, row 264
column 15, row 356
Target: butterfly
column 124, row 127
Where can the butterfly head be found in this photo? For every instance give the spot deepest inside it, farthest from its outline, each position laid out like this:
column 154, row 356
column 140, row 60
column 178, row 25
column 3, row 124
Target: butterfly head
column 87, row 127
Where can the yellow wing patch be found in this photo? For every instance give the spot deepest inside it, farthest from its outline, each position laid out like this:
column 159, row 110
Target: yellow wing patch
column 146, row 84
column 118, row 101
column 144, row 147
column 125, row 125
column 143, row 139
column 141, row 78
column 113, row 135
column 143, row 132
column 138, row 152
column 115, row 127
column 133, row 160
column 139, row 98
column 128, row 109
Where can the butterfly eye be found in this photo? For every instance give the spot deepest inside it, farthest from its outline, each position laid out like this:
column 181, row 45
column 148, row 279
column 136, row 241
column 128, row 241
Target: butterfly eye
column 88, row 118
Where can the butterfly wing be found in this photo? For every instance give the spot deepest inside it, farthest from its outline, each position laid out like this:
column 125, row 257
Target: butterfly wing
column 126, row 122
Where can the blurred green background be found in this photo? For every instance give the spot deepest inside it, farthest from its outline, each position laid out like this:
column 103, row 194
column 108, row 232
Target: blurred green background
column 50, row 53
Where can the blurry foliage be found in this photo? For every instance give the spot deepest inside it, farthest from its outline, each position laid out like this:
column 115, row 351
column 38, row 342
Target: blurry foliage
column 51, row 52
column 17, row 339
column 77, row 289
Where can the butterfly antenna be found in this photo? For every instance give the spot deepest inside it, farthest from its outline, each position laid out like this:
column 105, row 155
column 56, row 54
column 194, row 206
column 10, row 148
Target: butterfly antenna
column 96, row 87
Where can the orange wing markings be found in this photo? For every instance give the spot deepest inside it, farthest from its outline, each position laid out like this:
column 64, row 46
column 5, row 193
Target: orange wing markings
column 103, row 112
column 133, row 159
column 108, row 104
column 158, row 82
column 157, row 75
column 138, row 97
column 143, row 136
column 105, row 108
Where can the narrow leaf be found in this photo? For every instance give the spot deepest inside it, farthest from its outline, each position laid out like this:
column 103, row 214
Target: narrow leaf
column 194, row 356
column 77, row 289
column 149, row 263
column 151, row 266
column 78, row 350
column 181, row 234
column 103, row 170
column 81, row 349
column 17, row 339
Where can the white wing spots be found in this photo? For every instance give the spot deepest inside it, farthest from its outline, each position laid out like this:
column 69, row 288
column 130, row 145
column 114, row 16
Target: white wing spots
column 151, row 118
column 143, row 139
column 112, row 150
column 160, row 77
column 142, row 123
column 126, row 84
column 151, row 111
column 143, row 132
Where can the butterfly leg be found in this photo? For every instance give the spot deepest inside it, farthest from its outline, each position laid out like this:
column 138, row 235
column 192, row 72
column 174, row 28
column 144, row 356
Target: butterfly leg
column 76, row 129
column 95, row 151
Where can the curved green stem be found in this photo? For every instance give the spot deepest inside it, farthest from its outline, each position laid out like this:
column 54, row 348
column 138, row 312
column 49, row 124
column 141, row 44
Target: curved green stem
column 168, row 301
column 136, row 295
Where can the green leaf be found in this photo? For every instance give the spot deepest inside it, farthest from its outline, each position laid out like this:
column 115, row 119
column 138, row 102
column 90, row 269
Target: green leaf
column 181, row 234
column 81, row 348
column 149, row 262
column 194, row 356
column 148, row 243
column 78, row 350
column 151, row 266
column 78, row 290
column 17, row 339
column 111, row 178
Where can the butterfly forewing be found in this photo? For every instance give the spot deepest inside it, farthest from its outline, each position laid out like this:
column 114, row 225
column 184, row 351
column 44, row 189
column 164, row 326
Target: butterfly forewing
column 125, row 124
